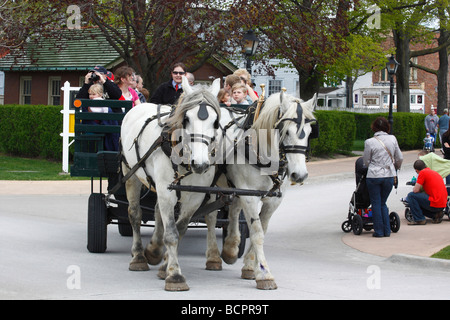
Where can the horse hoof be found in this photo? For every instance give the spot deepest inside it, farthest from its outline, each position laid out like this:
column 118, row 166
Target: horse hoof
column 138, row 266
column 228, row 258
column 248, row 274
column 162, row 273
column 176, row 283
column 139, row 263
column 214, row 266
column 152, row 258
column 266, row 285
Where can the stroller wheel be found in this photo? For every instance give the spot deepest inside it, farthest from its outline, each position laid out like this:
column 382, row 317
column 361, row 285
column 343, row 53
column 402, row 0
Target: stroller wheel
column 346, row 226
column 408, row 215
column 395, row 221
column 357, row 225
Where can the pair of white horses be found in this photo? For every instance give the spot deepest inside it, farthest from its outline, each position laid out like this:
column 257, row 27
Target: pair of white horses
column 195, row 121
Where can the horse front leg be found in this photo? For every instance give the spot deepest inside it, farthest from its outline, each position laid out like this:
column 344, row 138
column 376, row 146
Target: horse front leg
column 263, row 276
column 174, row 281
column 230, row 248
column 155, row 249
column 268, row 208
column 133, row 190
column 213, row 260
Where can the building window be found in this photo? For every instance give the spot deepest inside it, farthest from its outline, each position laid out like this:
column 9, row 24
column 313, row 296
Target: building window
column 54, row 91
column 25, row 90
column 356, row 98
column 419, row 99
column 274, row 86
column 384, row 76
column 413, row 71
column 413, row 99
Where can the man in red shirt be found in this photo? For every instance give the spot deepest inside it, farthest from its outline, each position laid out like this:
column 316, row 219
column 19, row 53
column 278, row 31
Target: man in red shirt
column 429, row 196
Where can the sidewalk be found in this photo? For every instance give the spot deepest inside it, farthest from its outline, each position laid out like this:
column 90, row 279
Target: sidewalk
column 420, row 241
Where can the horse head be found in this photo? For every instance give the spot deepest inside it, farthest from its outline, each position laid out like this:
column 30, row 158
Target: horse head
column 297, row 126
column 195, row 123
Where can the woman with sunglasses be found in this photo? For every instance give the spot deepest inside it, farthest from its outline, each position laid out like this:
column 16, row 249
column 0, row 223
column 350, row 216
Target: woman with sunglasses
column 169, row 92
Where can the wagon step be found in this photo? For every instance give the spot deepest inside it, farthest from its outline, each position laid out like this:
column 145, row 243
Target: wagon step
column 227, row 191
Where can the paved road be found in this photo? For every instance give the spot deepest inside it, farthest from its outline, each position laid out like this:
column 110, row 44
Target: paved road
column 43, row 253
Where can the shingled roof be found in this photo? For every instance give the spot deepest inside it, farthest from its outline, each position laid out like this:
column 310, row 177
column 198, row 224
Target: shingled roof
column 85, row 49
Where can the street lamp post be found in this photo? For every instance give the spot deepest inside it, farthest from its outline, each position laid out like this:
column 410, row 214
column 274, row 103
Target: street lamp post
column 250, row 45
column 391, row 66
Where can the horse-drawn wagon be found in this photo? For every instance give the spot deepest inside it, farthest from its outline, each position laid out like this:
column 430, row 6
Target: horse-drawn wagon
column 93, row 159
column 180, row 153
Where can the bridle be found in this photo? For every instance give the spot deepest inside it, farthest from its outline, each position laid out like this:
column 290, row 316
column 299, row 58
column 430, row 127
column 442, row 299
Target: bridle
column 305, row 150
column 179, row 145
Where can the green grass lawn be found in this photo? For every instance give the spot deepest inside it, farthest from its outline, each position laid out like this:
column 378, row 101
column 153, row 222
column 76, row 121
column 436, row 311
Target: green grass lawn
column 443, row 254
column 16, row 168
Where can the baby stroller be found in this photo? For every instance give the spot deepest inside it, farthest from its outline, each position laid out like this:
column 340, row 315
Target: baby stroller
column 428, row 143
column 360, row 211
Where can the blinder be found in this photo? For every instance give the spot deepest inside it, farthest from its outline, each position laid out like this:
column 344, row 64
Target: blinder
column 202, row 114
column 313, row 135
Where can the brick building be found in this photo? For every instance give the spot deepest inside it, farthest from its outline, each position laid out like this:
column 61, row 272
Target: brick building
column 419, row 80
column 373, row 89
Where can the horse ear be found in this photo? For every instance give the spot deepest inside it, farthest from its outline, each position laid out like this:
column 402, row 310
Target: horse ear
column 187, row 89
column 314, row 101
column 311, row 103
column 284, row 102
column 215, row 87
column 281, row 96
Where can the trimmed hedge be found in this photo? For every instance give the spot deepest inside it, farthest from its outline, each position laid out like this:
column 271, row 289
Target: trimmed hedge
column 31, row 131
column 409, row 128
column 34, row 131
column 337, row 131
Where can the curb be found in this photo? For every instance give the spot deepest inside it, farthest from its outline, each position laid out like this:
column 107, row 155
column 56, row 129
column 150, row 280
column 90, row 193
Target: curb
column 419, row 261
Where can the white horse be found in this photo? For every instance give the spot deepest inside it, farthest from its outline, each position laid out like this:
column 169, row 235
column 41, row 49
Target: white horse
column 293, row 118
column 194, row 121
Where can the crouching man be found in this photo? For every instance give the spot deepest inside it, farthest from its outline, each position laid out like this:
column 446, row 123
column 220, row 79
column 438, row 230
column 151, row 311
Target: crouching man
column 429, row 195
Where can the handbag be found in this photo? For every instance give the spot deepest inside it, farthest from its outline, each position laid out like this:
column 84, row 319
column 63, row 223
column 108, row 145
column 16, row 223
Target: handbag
column 392, row 158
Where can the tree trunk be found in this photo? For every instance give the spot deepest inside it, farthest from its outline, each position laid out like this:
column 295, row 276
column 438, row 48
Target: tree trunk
column 403, row 55
column 443, row 73
column 349, row 83
column 309, row 83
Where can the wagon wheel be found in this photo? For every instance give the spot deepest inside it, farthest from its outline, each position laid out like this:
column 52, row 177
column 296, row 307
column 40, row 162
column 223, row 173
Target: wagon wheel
column 357, row 224
column 125, row 229
column 97, row 223
column 395, row 221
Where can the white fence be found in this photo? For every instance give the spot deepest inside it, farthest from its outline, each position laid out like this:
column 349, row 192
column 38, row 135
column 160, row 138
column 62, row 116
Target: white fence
column 68, row 123
column 364, row 110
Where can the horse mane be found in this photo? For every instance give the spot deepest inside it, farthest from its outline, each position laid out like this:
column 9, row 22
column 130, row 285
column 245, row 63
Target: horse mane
column 187, row 102
column 269, row 116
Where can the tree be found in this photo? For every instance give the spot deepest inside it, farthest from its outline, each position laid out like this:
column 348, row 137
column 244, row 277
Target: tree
column 442, row 45
column 149, row 35
column 308, row 33
column 407, row 19
column 363, row 55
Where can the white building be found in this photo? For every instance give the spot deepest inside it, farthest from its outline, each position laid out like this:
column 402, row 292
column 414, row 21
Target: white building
column 369, row 95
column 287, row 78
